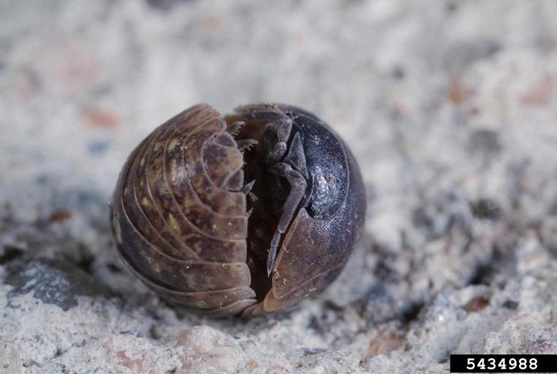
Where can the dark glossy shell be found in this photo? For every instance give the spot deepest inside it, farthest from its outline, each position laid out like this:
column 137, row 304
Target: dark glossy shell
column 190, row 223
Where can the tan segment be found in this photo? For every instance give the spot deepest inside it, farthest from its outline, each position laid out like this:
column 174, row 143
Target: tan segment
column 221, row 201
column 222, row 225
column 133, row 208
column 208, row 299
column 187, row 276
column 154, row 202
column 221, row 162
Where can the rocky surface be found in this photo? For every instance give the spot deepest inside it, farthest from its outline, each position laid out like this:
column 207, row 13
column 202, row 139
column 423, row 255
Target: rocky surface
column 450, row 107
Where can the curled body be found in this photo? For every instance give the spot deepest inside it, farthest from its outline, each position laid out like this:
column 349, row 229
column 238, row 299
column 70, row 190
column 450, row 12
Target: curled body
column 243, row 214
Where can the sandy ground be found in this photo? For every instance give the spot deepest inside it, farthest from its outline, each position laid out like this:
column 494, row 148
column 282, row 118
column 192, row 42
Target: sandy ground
column 450, row 108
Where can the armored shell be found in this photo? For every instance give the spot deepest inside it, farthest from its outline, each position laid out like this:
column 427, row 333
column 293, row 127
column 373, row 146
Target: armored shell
column 248, row 214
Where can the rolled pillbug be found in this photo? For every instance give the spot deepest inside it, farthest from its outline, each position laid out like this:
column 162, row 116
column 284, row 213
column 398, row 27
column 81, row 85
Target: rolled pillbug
column 247, row 213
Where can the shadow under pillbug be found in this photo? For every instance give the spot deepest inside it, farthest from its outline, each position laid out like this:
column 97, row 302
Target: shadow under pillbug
column 247, row 213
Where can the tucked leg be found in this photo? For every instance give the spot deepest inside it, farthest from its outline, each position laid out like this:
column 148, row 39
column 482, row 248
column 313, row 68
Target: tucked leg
column 296, row 156
column 275, row 140
column 298, row 186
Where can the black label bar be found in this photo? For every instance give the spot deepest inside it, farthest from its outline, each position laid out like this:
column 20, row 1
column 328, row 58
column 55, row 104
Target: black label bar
column 503, row 364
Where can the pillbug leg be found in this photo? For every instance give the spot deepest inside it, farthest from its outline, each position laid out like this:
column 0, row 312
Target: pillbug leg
column 234, row 127
column 275, row 140
column 296, row 157
column 245, row 144
column 298, row 186
column 247, row 187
